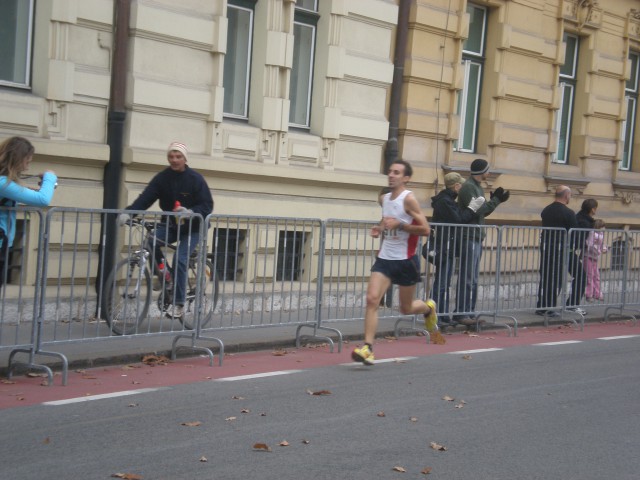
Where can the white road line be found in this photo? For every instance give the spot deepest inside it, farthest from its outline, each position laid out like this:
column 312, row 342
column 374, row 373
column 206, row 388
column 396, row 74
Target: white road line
column 257, row 375
column 566, row 342
column 618, row 337
column 103, row 396
column 382, row 360
column 480, row 350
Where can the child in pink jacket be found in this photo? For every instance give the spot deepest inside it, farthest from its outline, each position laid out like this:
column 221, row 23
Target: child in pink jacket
column 595, row 248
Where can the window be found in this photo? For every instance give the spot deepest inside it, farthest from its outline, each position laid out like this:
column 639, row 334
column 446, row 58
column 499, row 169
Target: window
column 16, row 22
column 629, row 124
column 290, row 256
column 473, row 63
column 228, row 247
column 304, row 32
column 567, row 94
column 237, row 61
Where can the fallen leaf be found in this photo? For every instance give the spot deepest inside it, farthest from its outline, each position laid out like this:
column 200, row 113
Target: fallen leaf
column 245, row 410
column 413, row 419
column 437, row 338
column 460, row 405
column 448, row 398
column 236, row 397
column 399, row 469
column 87, row 377
column 7, row 382
column 319, row 392
column 284, row 443
column 381, row 414
column 153, row 360
column 191, row 424
column 203, row 459
column 466, row 357
column 36, row 375
column 46, row 441
column 279, row 353
column 230, row 419
column 127, row 476
column 262, row 446
column 426, row 471
column 263, row 414
column 435, row 446
column 390, row 337
column 306, row 442
column 133, row 405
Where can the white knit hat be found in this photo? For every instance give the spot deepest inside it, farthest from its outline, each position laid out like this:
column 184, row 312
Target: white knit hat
column 178, row 147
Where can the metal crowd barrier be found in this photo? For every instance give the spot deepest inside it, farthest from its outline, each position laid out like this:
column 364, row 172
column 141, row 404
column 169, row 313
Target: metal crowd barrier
column 269, row 274
column 256, row 272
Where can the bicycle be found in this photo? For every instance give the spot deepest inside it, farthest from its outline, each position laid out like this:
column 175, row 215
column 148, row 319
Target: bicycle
column 129, row 286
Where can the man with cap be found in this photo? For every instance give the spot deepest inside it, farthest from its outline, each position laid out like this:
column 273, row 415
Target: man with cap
column 471, row 240
column 447, row 238
column 178, row 189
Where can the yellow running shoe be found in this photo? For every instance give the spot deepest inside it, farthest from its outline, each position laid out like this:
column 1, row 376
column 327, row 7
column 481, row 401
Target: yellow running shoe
column 363, row 354
column 431, row 318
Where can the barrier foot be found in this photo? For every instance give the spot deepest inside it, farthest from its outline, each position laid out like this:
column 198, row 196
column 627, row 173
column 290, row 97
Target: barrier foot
column 34, row 366
column 195, row 348
column 513, row 331
column 315, row 337
column 413, row 328
column 581, row 319
column 621, row 313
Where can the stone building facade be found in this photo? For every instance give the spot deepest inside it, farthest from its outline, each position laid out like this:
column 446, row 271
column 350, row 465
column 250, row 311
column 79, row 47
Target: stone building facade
column 284, row 104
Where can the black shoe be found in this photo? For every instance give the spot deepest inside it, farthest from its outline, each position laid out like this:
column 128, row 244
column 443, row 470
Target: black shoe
column 548, row 313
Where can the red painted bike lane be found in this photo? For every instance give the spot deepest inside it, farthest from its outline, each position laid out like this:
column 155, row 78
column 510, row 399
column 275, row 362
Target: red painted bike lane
column 29, row 390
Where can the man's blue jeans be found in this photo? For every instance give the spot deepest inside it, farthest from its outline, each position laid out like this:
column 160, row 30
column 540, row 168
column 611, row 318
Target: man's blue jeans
column 467, row 291
column 187, row 243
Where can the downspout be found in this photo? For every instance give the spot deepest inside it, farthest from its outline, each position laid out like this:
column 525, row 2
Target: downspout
column 391, row 149
column 115, row 137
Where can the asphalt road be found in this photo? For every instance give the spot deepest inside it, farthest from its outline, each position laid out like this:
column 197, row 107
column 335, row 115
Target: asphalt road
column 561, row 410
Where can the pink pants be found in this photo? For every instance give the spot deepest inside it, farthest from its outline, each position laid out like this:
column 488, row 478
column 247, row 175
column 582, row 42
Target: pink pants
column 593, row 278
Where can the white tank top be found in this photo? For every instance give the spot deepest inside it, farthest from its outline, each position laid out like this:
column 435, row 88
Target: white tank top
column 397, row 244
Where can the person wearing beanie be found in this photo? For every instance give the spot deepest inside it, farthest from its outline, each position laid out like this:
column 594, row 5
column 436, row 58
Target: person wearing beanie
column 445, row 239
column 471, row 240
column 396, row 262
column 184, row 191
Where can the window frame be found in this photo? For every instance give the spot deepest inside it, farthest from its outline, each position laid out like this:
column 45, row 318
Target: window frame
column 27, row 54
column 564, row 118
column 246, row 6
column 307, row 19
column 628, row 126
column 469, row 120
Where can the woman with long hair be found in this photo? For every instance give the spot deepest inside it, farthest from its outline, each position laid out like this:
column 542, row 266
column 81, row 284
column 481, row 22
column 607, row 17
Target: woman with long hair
column 15, row 157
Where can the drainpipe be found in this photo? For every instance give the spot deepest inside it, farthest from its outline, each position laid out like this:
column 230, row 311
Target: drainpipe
column 115, row 137
column 391, row 149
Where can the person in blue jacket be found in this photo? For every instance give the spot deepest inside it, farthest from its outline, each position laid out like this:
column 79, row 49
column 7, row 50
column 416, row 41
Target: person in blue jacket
column 16, row 154
column 179, row 189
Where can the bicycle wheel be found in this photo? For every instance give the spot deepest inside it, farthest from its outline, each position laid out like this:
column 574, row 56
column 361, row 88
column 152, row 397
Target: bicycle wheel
column 209, row 296
column 127, row 297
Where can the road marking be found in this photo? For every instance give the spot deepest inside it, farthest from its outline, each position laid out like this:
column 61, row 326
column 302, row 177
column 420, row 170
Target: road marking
column 257, row 375
column 103, row 396
column 382, row 360
column 618, row 337
column 566, row 342
column 479, row 350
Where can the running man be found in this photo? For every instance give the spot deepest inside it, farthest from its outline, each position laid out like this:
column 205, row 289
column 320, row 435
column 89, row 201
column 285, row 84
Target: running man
column 397, row 263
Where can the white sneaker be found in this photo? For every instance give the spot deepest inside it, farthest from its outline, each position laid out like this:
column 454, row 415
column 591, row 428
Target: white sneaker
column 175, row 311
column 577, row 310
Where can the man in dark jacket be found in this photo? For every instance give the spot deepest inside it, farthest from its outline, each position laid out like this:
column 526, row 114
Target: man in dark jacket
column 182, row 190
column 447, row 239
column 471, row 245
column 556, row 216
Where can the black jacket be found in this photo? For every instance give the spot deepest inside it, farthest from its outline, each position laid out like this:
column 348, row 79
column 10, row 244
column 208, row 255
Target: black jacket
column 557, row 215
column 447, row 210
column 188, row 187
column 584, row 221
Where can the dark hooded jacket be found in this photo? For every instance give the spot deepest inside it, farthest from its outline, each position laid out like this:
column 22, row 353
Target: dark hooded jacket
column 447, row 211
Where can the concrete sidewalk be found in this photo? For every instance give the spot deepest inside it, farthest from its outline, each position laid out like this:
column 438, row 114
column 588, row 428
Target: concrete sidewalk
column 119, row 350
